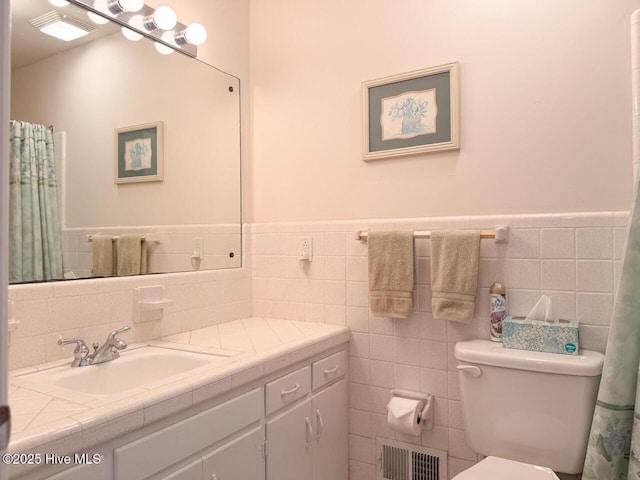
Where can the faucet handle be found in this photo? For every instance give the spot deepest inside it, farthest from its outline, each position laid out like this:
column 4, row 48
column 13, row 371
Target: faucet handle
column 81, row 352
column 80, row 343
column 119, row 330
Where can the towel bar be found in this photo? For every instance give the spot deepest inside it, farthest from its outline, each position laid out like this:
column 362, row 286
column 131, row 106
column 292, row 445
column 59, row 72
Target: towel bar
column 146, row 237
column 501, row 234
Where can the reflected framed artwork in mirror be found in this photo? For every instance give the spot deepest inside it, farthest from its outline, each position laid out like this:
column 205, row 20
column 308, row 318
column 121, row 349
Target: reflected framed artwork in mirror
column 139, row 153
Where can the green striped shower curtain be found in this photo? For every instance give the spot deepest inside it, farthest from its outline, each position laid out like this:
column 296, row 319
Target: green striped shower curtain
column 35, row 249
column 613, row 452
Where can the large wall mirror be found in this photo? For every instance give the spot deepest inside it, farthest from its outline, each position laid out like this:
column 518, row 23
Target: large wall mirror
column 104, row 90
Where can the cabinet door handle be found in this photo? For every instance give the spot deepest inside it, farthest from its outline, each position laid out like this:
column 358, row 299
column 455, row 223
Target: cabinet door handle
column 291, row 390
column 320, row 425
column 330, row 371
column 307, row 421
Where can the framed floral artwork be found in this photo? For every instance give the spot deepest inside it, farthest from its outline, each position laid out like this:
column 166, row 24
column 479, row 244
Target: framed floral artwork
column 411, row 113
column 139, row 153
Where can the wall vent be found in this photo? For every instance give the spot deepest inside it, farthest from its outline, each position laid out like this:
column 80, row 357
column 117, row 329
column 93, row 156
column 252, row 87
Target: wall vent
column 405, row 461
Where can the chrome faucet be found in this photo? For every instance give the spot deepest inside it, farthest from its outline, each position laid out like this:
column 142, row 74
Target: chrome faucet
column 105, row 353
column 109, row 349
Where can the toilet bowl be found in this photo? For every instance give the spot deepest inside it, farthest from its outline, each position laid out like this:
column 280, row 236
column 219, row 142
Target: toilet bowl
column 494, row 468
column 529, row 412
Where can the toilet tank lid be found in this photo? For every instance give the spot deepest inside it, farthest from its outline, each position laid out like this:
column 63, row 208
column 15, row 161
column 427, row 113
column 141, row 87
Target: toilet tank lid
column 484, row 352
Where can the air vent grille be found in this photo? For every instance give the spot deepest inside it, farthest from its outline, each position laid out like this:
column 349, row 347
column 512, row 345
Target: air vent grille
column 404, row 461
column 53, row 16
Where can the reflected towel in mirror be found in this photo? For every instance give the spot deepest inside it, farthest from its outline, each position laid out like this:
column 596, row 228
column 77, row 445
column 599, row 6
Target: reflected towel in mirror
column 131, row 253
column 103, row 257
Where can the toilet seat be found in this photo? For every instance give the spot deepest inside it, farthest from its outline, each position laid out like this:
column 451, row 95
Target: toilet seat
column 495, row 468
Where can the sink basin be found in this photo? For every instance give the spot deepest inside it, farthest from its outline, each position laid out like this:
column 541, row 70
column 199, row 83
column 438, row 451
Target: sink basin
column 134, row 368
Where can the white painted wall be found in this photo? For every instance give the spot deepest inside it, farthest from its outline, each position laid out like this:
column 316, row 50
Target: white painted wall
column 545, row 100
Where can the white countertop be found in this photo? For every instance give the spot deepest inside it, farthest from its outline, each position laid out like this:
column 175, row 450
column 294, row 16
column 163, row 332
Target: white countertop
column 46, row 421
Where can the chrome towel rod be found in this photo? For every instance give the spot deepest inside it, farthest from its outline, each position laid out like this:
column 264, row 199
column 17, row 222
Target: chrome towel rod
column 500, row 233
column 148, row 238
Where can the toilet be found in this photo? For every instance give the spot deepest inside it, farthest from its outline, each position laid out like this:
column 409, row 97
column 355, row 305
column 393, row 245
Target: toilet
column 529, row 412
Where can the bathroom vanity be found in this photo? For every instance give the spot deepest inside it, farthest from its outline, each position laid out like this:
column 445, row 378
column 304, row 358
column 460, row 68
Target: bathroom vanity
column 275, row 407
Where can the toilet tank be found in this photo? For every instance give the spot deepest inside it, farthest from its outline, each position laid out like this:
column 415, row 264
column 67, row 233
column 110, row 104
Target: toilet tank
column 526, row 406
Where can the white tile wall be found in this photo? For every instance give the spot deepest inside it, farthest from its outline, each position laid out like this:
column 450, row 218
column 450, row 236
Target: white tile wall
column 574, row 257
column 90, row 309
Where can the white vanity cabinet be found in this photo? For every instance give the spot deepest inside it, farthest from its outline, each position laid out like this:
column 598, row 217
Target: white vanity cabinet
column 193, row 471
column 240, row 459
column 146, row 457
column 294, row 427
column 101, row 471
column 307, row 438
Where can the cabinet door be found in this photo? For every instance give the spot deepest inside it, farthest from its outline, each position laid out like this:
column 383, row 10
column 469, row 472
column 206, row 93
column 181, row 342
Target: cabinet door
column 330, row 443
column 101, row 471
column 289, row 444
column 240, row 459
column 193, row 471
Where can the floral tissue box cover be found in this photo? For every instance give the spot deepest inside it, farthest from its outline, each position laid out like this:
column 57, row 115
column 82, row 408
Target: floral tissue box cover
column 540, row 336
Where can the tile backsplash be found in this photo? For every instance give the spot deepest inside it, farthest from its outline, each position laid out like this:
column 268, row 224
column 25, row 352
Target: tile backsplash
column 574, row 257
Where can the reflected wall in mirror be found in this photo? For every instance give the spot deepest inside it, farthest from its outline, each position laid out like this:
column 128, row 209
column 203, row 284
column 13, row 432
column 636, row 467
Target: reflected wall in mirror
column 87, row 91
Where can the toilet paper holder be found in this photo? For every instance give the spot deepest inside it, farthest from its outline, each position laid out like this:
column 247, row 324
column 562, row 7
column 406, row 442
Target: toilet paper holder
column 425, row 418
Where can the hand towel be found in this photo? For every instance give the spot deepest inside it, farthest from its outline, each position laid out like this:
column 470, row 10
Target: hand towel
column 131, row 252
column 454, row 274
column 391, row 273
column 102, row 252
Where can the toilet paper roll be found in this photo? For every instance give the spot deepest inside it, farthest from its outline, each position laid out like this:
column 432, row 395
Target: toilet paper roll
column 402, row 415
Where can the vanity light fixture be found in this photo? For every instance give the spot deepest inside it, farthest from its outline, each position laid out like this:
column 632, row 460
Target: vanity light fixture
column 59, row 3
column 61, row 26
column 120, row 6
column 194, row 34
column 164, row 18
column 160, row 24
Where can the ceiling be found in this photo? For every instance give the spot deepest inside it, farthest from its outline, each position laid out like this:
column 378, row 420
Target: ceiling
column 29, row 45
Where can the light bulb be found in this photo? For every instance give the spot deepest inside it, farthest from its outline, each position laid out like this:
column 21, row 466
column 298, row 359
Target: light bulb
column 165, row 18
column 131, row 5
column 163, row 49
column 97, row 19
column 59, row 3
column 119, row 6
column 131, row 35
column 195, row 34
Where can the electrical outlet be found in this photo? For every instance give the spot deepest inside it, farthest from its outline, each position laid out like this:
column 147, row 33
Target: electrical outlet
column 306, row 248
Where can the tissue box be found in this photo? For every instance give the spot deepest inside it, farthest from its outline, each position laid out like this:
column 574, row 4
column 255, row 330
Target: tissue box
column 540, row 336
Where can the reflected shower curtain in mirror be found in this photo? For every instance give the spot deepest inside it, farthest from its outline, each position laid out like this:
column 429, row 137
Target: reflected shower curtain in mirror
column 611, row 453
column 35, row 249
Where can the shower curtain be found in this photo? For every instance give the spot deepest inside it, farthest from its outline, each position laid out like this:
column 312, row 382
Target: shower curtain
column 35, row 249
column 611, row 453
